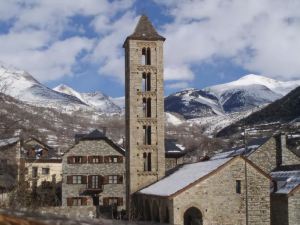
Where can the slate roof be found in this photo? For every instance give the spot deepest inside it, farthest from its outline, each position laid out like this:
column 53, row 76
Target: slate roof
column 145, row 31
column 287, row 181
column 252, row 146
column 8, row 141
column 184, row 176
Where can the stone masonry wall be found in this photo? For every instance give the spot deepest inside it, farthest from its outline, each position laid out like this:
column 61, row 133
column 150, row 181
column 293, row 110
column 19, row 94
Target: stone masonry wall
column 294, row 208
column 265, row 157
column 93, row 147
column 218, row 201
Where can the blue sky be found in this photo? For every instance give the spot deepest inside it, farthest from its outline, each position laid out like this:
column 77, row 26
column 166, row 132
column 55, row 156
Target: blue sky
column 79, row 43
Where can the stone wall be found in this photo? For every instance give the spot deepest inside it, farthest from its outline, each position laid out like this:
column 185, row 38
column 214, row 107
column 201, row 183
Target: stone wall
column 294, row 207
column 218, row 201
column 93, row 148
column 55, row 171
column 266, row 156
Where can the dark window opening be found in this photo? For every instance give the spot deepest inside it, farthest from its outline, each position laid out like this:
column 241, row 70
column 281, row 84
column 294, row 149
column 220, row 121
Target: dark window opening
column 149, row 162
column 34, row 172
column 146, row 82
column 147, row 107
column 145, row 161
column 45, row 171
column 146, row 56
column 238, row 187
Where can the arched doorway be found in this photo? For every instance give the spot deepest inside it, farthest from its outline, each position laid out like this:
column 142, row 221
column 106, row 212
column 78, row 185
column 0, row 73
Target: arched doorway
column 193, row 216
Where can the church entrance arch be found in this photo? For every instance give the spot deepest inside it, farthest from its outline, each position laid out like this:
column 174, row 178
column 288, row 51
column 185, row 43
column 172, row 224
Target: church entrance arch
column 193, row 216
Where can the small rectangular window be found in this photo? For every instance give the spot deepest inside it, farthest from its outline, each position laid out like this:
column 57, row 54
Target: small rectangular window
column 34, row 172
column 113, row 179
column 77, row 180
column 238, row 186
column 45, row 171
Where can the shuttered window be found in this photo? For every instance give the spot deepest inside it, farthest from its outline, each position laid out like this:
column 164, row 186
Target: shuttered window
column 76, row 201
column 76, row 179
column 77, row 159
column 95, row 159
column 113, row 159
column 115, row 179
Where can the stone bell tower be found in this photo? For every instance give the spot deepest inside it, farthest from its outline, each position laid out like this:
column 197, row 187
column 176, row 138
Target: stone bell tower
column 144, row 100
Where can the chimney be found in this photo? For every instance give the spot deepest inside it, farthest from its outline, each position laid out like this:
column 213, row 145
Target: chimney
column 104, row 129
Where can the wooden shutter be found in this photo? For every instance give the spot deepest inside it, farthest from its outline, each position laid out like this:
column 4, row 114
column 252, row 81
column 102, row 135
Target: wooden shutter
column 83, row 179
column 70, row 159
column 84, row 159
column 90, row 159
column 69, row 179
column 106, row 159
column 120, row 159
column 100, row 159
column 90, row 177
column 106, row 179
column 120, row 201
column 120, row 179
column 105, row 202
column 69, row 201
column 100, row 181
column 83, row 201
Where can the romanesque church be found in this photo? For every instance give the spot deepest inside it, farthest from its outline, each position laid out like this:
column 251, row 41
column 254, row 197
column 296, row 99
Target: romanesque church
column 229, row 189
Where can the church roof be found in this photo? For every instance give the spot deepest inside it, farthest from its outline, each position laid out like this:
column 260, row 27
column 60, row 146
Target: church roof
column 183, row 177
column 145, row 31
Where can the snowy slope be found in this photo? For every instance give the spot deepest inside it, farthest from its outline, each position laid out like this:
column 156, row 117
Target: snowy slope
column 21, row 85
column 246, row 93
column 96, row 100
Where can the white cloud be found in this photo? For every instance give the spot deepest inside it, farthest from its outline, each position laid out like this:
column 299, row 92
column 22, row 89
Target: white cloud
column 36, row 40
column 260, row 35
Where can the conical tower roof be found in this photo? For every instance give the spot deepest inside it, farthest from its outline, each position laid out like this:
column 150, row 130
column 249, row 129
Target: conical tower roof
column 145, row 31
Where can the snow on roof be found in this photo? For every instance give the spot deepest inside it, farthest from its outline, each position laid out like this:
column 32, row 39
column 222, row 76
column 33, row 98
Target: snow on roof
column 184, row 176
column 9, row 141
column 251, row 147
column 286, row 180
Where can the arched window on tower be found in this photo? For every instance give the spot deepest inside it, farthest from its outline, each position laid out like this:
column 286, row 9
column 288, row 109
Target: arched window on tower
column 148, row 108
column 147, row 135
column 148, row 57
column 144, row 55
column 145, row 161
column 146, row 82
column 149, row 162
column 144, row 107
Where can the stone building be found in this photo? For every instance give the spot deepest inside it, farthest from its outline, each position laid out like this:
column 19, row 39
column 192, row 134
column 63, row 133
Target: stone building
column 285, row 200
column 144, row 111
column 222, row 191
column 94, row 173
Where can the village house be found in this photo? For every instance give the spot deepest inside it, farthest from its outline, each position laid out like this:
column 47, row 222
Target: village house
column 29, row 162
column 94, row 173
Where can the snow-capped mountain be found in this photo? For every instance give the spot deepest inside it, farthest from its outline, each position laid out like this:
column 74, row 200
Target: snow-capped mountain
column 24, row 87
column 21, row 85
column 246, row 93
column 96, row 100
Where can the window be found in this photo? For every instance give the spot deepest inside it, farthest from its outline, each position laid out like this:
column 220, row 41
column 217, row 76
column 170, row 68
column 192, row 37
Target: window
column 77, row 159
column 147, row 107
column 238, row 186
column 147, row 135
column 147, row 161
column 146, row 56
column 34, row 172
column 146, row 82
column 113, row 179
column 113, row 201
column 45, row 171
column 77, row 201
column 95, row 181
column 113, row 159
column 77, row 180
